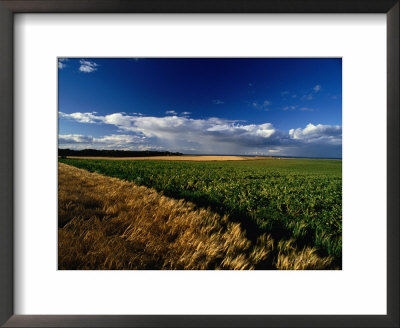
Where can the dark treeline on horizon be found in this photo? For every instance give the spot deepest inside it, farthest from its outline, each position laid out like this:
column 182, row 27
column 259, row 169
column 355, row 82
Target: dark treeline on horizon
column 115, row 153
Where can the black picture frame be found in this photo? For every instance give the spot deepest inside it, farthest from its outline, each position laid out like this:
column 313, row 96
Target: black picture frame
column 10, row 7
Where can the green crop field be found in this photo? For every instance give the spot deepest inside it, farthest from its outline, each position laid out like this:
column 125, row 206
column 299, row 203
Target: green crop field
column 298, row 199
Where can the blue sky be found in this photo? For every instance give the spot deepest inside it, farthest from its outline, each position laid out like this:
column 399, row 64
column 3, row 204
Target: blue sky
column 249, row 106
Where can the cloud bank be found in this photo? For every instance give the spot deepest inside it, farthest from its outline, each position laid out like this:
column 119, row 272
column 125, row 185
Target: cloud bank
column 204, row 136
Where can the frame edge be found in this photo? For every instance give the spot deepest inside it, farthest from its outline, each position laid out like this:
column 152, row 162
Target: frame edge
column 6, row 165
column 6, row 203
column 203, row 6
column 393, row 167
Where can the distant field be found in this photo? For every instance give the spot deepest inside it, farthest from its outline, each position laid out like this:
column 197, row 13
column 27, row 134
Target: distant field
column 297, row 202
column 174, row 158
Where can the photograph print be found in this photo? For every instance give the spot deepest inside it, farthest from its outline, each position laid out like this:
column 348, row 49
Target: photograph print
column 199, row 163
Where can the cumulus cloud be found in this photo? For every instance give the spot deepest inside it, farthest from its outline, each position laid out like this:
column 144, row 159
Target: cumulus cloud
column 171, row 112
column 186, row 113
column 182, row 133
column 82, row 117
column 212, row 135
column 328, row 134
column 87, row 66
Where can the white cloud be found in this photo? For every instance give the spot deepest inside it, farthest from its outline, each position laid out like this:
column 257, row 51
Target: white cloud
column 186, row 113
column 317, row 88
column 327, row 134
column 82, row 117
column 180, row 132
column 61, row 62
column 119, row 139
column 171, row 112
column 218, row 102
column 74, row 138
column 211, row 135
column 87, row 66
column 114, row 141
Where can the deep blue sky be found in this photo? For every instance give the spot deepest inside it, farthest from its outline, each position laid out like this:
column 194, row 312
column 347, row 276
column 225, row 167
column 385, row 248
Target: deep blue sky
column 159, row 101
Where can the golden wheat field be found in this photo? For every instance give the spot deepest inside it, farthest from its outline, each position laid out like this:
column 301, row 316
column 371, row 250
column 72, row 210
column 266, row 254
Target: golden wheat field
column 110, row 224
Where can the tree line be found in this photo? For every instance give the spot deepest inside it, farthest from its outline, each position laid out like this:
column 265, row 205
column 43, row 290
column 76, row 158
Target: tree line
column 114, row 153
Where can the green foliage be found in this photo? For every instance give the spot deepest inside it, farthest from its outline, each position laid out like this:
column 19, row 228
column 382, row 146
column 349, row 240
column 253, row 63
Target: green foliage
column 289, row 198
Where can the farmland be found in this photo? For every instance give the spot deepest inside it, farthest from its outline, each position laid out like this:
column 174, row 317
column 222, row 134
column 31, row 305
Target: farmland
column 294, row 203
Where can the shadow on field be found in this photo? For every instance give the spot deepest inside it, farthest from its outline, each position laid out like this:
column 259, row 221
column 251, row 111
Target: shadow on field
column 276, row 229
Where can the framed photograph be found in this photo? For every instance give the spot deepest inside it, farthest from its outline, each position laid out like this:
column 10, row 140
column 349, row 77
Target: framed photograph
column 211, row 178
column 199, row 164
